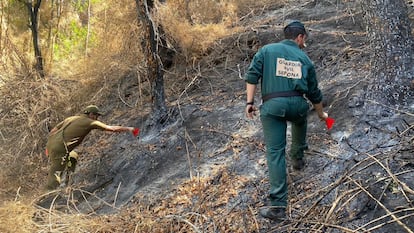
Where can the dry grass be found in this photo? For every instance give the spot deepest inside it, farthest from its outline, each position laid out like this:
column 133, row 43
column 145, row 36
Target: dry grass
column 30, row 107
column 17, row 217
column 194, row 26
column 216, row 204
column 197, row 205
column 31, row 218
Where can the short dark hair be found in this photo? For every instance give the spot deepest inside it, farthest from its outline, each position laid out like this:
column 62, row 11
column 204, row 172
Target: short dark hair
column 293, row 29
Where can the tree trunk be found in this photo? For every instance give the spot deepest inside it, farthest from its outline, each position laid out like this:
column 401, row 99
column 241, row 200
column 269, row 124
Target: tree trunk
column 154, row 64
column 55, row 13
column 389, row 35
column 33, row 12
column 1, row 27
column 89, row 29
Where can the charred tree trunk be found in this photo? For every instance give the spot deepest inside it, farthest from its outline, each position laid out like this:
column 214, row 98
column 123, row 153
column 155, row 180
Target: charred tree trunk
column 389, row 34
column 154, row 64
column 33, row 9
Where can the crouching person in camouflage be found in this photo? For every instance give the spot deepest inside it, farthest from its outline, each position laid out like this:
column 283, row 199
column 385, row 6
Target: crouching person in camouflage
column 65, row 137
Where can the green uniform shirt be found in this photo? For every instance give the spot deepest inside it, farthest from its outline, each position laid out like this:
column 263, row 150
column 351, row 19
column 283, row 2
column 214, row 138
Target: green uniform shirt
column 284, row 66
column 71, row 132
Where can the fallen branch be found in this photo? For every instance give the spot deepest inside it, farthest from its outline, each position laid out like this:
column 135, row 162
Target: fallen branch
column 383, row 207
column 380, row 219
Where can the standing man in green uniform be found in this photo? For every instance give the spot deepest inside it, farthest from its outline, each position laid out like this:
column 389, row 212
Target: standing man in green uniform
column 67, row 135
column 287, row 75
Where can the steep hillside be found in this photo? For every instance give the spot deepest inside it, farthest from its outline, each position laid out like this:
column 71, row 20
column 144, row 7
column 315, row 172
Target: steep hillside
column 205, row 171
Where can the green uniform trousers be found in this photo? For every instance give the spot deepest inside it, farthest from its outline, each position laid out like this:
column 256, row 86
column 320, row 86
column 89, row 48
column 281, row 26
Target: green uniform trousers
column 60, row 162
column 274, row 115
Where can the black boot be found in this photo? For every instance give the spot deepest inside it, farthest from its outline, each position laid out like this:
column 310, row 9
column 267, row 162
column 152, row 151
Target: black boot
column 298, row 164
column 273, row 212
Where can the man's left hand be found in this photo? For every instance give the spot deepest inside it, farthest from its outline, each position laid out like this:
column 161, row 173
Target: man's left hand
column 250, row 111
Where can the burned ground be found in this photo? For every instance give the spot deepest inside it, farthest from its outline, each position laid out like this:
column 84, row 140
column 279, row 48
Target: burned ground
column 205, row 170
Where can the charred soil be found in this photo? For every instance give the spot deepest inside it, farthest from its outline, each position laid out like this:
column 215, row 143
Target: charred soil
column 205, row 169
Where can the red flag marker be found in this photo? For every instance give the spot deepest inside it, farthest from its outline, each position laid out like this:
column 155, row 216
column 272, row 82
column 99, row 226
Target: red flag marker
column 329, row 123
column 135, row 132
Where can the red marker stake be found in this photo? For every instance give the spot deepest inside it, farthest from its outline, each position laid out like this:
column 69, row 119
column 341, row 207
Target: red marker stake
column 329, row 123
column 135, row 132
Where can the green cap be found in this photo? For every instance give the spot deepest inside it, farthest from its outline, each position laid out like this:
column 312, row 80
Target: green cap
column 296, row 24
column 92, row 109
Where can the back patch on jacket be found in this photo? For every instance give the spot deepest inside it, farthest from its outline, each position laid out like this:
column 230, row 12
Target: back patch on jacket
column 288, row 69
